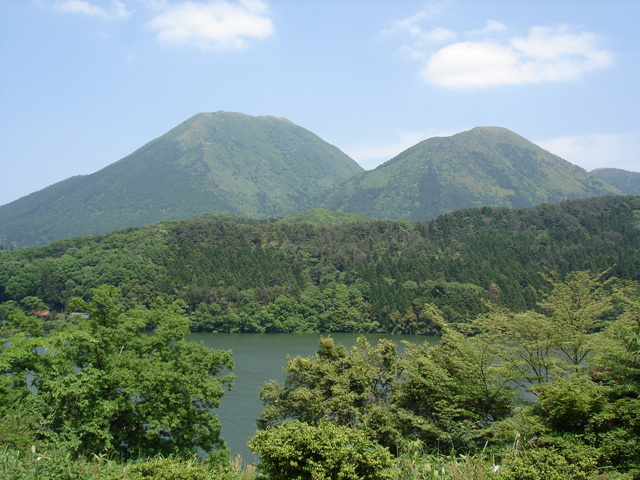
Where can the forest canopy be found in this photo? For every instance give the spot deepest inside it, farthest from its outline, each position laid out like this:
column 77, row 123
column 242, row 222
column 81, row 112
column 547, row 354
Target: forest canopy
column 233, row 274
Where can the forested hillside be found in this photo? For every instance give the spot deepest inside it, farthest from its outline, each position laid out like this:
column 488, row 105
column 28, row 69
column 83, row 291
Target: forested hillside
column 627, row 182
column 246, row 275
column 485, row 166
column 257, row 166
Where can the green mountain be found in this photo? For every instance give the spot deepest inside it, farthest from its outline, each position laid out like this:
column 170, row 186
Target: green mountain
column 254, row 166
column 628, row 182
column 486, row 166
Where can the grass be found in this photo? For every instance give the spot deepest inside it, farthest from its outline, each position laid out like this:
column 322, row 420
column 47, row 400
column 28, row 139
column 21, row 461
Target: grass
column 412, row 464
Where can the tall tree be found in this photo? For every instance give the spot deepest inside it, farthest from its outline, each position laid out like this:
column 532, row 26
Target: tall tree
column 106, row 386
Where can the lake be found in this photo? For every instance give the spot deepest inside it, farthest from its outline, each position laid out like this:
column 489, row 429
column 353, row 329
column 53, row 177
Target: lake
column 260, row 357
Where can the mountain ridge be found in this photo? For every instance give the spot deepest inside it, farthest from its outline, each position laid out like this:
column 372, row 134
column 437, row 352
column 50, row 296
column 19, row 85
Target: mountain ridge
column 266, row 166
column 485, row 166
column 626, row 181
column 255, row 166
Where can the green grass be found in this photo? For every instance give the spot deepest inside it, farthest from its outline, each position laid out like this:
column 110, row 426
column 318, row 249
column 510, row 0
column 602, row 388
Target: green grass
column 52, row 464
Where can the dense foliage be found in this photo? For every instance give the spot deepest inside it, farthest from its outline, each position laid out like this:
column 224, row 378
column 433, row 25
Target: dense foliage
column 240, row 275
column 555, row 400
column 297, row 450
column 105, row 386
column 551, row 393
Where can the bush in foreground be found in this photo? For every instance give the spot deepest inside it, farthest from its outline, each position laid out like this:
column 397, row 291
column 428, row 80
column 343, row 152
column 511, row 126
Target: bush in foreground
column 296, row 450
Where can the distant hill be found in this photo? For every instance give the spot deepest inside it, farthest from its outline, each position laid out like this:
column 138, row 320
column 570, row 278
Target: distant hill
column 628, row 182
column 319, row 217
column 253, row 166
column 486, row 166
column 237, row 274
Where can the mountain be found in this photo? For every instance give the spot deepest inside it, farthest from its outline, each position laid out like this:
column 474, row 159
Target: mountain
column 486, row 166
column 254, row 166
column 628, row 182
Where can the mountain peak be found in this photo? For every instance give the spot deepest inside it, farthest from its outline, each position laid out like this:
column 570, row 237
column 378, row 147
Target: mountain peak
column 227, row 161
column 486, row 166
column 490, row 129
column 628, row 182
column 221, row 114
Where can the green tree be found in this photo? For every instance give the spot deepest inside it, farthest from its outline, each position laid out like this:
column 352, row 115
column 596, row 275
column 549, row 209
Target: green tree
column 34, row 304
column 351, row 388
column 577, row 307
column 450, row 394
column 536, row 346
column 591, row 414
column 105, row 386
column 526, row 344
column 297, row 451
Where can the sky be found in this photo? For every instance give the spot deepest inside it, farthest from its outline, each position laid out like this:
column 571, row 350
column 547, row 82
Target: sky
column 83, row 83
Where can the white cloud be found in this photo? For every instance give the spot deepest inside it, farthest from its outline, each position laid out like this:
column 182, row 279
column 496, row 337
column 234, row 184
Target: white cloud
column 155, row 4
column 120, row 9
column 491, row 26
column 410, row 24
column 213, row 25
column 470, row 64
column 421, row 39
column 370, row 156
column 79, row 6
column 84, row 7
column 599, row 150
column 438, row 35
column 545, row 54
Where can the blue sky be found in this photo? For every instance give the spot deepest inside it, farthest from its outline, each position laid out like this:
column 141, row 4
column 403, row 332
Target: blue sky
column 83, row 83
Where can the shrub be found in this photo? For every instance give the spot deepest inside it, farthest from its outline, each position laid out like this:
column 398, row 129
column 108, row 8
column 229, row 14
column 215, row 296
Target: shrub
column 296, row 450
column 544, row 464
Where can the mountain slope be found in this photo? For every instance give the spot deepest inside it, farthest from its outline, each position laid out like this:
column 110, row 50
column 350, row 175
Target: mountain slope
column 254, row 166
column 628, row 182
column 486, row 166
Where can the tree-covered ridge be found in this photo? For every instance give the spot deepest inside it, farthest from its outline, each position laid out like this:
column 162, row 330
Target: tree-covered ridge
column 627, row 182
column 486, row 166
column 369, row 275
column 321, row 217
column 253, row 166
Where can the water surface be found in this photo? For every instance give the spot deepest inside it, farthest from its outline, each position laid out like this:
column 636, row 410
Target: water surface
column 258, row 358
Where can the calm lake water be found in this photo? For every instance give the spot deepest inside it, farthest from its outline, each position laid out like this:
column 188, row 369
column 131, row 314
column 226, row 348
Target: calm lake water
column 259, row 358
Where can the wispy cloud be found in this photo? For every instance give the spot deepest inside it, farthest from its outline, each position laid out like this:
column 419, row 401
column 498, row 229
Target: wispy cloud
column 598, row 150
column 117, row 9
column 411, row 24
column 217, row 25
column 491, row 26
column 490, row 57
column 421, row 39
